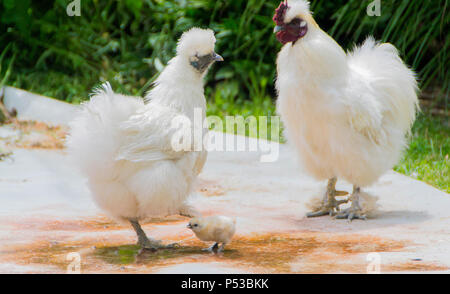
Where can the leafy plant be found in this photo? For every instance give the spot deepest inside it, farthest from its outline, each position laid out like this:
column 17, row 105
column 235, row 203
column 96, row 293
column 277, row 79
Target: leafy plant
column 128, row 42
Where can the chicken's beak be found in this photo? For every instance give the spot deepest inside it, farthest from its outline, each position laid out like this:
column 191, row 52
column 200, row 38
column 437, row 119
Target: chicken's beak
column 277, row 29
column 189, row 226
column 217, row 57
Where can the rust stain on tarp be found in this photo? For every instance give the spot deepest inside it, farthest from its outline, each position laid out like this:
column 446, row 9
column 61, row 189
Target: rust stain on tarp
column 300, row 252
column 100, row 223
column 37, row 135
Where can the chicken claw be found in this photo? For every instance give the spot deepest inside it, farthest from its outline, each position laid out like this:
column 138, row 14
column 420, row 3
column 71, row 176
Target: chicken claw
column 149, row 243
column 154, row 245
column 330, row 205
column 355, row 210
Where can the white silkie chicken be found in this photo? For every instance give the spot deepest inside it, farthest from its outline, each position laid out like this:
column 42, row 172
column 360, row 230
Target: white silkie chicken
column 347, row 114
column 216, row 228
column 124, row 145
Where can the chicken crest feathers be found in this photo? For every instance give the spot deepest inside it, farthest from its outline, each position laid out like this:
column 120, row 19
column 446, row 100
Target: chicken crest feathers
column 298, row 8
column 196, row 41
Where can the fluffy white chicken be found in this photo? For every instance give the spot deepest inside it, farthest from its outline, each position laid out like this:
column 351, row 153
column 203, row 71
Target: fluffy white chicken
column 219, row 229
column 124, row 144
column 347, row 114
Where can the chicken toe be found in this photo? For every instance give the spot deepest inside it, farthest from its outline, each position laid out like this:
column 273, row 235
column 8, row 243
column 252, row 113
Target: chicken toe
column 355, row 211
column 149, row 243
column 330, row 205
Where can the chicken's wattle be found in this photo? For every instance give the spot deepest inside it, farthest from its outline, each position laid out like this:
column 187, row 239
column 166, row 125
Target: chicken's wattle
column 292, row 31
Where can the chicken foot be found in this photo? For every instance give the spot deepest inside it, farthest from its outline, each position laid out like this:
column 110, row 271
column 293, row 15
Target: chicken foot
column 148, row 243
column 213, row 248
column 355, row 210
column 330, row 205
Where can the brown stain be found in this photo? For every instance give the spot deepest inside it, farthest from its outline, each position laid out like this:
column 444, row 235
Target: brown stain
column 39, row 252
column 48, row 137
column 300, row 252
column 100, row 223
column 413, row 266
column 89, row 225
column 277, row 252
column 210, row 188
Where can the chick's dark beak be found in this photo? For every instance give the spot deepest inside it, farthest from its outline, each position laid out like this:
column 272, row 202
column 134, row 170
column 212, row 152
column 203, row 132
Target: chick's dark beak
column 278, row 29
column 217, row 57
column 189, row 226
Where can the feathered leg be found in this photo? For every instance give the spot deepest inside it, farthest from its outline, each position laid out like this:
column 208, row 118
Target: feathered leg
column 355, row 210
column 330, row 205
column 144, row 241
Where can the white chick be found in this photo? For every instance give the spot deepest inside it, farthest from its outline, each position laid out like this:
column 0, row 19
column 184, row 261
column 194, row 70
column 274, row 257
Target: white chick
column 347, row 114
column 124, row 144
column 219, row 229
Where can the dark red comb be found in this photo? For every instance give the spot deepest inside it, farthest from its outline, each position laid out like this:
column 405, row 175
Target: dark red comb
column 280, row 12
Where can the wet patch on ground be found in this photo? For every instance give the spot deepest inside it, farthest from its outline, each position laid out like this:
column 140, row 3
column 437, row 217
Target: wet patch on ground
column 300, row 252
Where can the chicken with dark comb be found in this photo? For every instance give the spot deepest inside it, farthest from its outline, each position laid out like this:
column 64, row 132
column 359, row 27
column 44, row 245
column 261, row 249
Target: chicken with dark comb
column 347, row 114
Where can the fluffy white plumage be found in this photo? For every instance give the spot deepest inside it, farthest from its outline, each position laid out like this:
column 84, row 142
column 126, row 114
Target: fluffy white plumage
column 123, row 145
column 347, row 114
column 219, row 229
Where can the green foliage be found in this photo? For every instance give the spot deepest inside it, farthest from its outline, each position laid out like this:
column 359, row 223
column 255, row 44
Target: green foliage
column 427, row 157
column 5, row 74
column 128, row 42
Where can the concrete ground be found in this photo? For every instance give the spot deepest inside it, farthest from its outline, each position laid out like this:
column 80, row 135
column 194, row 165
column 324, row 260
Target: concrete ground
column 49, row 224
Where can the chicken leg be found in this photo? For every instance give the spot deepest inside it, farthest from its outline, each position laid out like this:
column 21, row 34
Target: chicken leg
column 145, row 242
column 355, row 210
column 213, row 248
column 330, row 205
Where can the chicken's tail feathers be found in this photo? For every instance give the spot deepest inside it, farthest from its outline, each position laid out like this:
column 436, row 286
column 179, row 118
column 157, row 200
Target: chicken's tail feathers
column 94, row 133
column 107, row 107
column 395, row 83
column 104, row 88
column 100, row 104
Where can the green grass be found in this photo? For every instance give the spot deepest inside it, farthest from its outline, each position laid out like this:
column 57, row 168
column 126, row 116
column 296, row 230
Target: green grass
column 427, row 158
column 127, row 41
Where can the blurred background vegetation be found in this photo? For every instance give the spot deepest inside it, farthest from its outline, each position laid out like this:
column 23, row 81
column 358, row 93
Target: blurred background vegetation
column 128, row 42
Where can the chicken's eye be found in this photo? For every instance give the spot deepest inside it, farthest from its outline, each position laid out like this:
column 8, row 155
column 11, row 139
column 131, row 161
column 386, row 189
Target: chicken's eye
column 196, row 225
column 296, row 22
